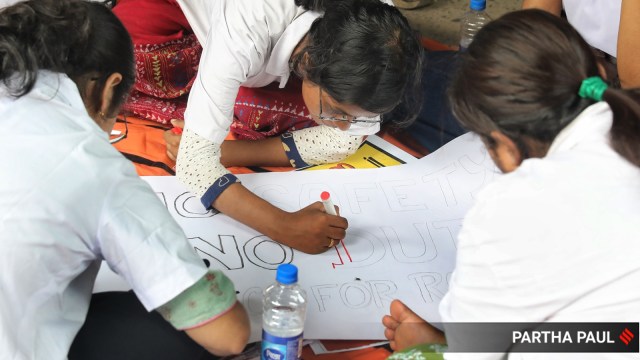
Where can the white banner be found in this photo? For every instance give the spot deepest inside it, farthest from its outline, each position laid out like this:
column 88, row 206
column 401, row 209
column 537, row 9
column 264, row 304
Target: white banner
column 401, row 241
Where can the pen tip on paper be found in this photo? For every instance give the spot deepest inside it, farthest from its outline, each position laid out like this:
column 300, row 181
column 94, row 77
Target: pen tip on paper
column 324, row 196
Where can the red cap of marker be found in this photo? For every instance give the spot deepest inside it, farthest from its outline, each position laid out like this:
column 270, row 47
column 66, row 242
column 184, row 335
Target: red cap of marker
column 328, row 204
column 176, row 130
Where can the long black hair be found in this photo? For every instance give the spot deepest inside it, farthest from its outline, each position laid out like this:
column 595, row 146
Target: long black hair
column 521, row 75
column 363, row 52
column 79, row 38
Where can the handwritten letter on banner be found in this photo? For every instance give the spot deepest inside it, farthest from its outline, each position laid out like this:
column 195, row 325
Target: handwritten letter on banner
column 401, row 241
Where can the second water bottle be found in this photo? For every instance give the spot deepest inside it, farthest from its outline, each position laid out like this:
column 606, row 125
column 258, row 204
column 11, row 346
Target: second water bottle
column 472, row 21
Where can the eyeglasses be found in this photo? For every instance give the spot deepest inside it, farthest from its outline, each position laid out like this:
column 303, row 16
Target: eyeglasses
column 367, row 121
column 114, row 138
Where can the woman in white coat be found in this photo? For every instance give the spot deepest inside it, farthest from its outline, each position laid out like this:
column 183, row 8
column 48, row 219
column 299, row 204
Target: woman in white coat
column 69, row 200
column 357, row 59
column 555, row 239
column 611, row 27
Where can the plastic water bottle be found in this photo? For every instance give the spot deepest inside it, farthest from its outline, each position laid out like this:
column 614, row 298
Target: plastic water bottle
column 472, row 22
column 283, row 311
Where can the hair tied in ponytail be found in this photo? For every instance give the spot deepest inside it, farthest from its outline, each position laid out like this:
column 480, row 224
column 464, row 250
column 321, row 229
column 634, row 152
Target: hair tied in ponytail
column 593, row 88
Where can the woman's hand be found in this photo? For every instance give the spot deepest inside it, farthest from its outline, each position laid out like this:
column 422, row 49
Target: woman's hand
column 172, row 138
column 312, row 230
column 309, row 230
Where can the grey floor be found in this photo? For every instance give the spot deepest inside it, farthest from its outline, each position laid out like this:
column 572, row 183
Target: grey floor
column 441, row 20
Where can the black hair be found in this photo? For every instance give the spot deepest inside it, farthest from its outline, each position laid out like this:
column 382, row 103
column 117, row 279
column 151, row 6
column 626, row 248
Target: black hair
column 363, row 52
column 521, row 76
column 81, row 39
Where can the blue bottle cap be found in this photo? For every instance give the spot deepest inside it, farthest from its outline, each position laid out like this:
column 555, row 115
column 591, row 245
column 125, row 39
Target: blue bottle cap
column 287, row 274
column 478, row 5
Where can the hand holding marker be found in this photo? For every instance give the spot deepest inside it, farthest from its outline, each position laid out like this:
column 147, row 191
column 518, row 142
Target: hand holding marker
column 330, row 209
column 328, row 204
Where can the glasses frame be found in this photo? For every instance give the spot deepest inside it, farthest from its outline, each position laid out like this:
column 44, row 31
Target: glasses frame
column 121, row 136
column 348, row 118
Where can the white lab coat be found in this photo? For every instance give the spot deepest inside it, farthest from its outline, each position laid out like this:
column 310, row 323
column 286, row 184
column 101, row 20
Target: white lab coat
column 556, row 240
column 68, row 200
column 597, row 21
column 245, row 43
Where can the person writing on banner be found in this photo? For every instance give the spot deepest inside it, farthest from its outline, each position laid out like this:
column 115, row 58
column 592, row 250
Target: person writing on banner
column 70, row 201
column 356, row 60
column 167, row 56
column 611, row 27
column 555, row 239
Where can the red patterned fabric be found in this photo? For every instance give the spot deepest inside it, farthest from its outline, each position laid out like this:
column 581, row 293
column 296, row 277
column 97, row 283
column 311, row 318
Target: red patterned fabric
column 168, row 70
column 164, row 75
column 167, row 55
column 269, row 111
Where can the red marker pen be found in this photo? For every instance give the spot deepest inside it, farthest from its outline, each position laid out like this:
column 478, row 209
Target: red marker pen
column 176, row 130
column 328, row 204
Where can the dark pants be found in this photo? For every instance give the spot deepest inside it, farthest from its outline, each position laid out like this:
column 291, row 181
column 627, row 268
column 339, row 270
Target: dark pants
column 118, row 327
column 436, row 125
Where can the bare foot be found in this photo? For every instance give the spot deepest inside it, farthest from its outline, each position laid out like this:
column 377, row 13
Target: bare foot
column 405, row 329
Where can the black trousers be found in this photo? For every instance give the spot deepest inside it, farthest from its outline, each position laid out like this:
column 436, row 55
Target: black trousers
column 118, row 327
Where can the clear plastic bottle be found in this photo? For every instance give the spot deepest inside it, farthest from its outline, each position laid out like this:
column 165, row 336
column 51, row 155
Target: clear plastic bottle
column 472, row 22
column 284, row 309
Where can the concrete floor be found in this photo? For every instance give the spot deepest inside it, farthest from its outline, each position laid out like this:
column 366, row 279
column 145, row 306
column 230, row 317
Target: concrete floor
column 441, row 20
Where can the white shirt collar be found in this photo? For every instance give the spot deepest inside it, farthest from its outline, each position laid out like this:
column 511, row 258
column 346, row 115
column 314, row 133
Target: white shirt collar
column 278, row 64
column 51, row 85
column 593, row 122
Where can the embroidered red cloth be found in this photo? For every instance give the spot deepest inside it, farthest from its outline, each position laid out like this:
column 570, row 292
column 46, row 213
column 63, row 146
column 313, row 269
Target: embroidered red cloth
column 269, row 111
column 167, row 55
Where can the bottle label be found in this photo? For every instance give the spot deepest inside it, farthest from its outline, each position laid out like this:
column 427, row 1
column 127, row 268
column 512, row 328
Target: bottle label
column 279, row 348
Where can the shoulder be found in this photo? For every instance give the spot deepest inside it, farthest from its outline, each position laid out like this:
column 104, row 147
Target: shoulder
column 523, row 185
column 271, row 12
column 545, row 199
column 520, row 204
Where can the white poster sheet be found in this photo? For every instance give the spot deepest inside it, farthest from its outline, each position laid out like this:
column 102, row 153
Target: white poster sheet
column 401, row 240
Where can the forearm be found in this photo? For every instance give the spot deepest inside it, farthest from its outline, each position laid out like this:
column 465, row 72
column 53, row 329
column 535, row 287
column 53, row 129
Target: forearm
column 200, row 169
column 242, row 205
column 551, row 6
column 226, row 335
column 629, row 45
column 267, row 152
column 309, row 229
column 321, row 145
column 208, row 311
column 198, row 166
column 317, row 145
